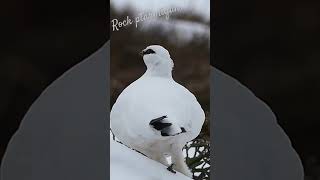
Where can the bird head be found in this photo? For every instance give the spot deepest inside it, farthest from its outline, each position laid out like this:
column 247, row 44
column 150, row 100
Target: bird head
column 157, row 59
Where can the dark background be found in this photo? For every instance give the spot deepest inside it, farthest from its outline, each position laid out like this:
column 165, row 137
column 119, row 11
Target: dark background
column 270, row 46
column 40, row 40
column 273, row 48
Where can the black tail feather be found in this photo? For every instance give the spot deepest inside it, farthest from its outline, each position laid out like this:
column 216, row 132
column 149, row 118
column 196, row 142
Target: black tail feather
column 159, row 124
column 165, row 127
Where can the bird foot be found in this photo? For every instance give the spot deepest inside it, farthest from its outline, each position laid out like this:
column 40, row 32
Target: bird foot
column 170, row 168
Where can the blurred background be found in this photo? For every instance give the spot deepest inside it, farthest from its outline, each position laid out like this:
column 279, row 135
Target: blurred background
column 273, row 48
column 39, row 41
column 186, row 35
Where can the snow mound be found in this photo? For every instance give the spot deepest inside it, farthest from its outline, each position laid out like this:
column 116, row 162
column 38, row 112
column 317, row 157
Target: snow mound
column 126, row 163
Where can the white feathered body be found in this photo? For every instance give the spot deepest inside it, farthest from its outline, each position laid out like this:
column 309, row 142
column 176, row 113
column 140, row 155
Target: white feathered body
column 151, row 97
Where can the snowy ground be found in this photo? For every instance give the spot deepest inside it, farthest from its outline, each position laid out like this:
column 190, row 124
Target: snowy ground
column 129, row 164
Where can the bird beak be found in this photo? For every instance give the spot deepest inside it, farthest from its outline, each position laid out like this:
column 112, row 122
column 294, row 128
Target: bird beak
column 141, row 53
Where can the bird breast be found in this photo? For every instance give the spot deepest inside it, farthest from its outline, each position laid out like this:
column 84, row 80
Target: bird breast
column 149, row 98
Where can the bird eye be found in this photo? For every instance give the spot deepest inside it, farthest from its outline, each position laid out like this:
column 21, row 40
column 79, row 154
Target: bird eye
column 148, row 51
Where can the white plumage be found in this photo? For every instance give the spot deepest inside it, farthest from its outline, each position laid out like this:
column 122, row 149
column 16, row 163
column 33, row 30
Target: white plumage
column 155, row 115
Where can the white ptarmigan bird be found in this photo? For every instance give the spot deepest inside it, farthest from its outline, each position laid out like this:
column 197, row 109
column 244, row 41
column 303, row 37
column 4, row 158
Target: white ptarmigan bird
column 155, row 115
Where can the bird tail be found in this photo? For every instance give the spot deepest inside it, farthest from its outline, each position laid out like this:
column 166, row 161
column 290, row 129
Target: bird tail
column 165, row 127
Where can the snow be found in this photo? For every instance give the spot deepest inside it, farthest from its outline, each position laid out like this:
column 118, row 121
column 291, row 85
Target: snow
column 201, row 7
column 185, row 31
column 126, row 163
